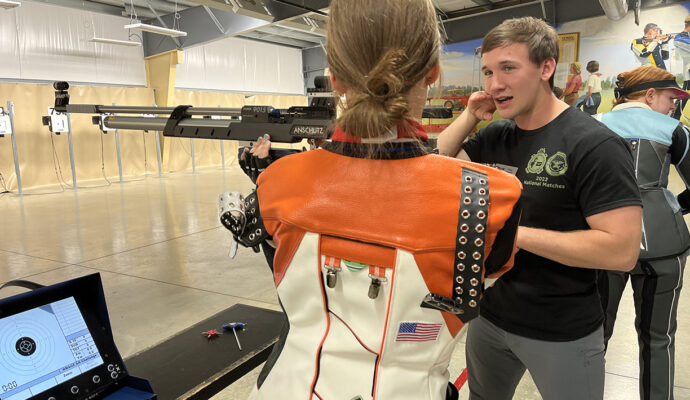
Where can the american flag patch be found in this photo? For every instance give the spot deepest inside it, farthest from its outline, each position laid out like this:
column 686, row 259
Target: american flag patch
column 417, row 332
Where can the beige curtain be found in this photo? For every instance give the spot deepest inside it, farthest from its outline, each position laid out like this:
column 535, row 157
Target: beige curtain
column 44, row 157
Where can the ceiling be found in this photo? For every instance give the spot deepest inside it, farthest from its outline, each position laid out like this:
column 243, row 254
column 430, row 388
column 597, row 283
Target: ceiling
column 449, row 6
column 302, row 23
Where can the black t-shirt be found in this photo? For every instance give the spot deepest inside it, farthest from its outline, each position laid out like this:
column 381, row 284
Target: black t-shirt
column 571, row 168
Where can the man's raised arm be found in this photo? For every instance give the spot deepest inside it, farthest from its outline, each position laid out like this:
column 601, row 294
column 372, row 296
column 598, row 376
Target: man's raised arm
column 480, row 106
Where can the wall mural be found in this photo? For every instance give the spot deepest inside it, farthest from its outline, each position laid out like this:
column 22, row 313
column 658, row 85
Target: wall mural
column 618, row 46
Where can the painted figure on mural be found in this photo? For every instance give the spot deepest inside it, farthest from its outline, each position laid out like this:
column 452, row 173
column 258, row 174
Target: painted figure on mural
column 652, row 48
column 573, row 85
column 591, row 100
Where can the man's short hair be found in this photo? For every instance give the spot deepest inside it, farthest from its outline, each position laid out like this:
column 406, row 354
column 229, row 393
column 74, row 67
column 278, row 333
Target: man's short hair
column 687, row 20
column 540, row 38
column 651, row 26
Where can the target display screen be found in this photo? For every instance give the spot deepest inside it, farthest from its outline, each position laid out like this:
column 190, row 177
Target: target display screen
column 43, row 347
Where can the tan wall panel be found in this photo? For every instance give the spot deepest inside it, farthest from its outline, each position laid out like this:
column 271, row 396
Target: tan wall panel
column 36, row 149
column 276, row 101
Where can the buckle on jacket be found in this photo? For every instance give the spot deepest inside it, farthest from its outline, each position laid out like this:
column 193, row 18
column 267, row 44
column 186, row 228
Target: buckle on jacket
column 442, row 303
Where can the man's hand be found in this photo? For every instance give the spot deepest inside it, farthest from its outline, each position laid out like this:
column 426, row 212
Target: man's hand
column 481, row 105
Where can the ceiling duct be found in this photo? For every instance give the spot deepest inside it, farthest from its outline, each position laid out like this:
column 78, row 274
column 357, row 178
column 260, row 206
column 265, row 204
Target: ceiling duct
column 9, row 4
column 614, row 9
column 250, row 8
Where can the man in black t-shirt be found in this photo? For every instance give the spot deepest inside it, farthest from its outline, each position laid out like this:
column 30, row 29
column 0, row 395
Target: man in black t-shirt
column 581, row 212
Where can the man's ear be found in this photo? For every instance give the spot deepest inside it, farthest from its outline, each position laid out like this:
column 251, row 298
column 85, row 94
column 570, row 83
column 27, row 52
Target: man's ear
column 548, row 68
column 336, row 85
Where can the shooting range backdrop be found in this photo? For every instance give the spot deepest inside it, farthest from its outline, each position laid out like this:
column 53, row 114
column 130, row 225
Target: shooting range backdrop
column 40, row 43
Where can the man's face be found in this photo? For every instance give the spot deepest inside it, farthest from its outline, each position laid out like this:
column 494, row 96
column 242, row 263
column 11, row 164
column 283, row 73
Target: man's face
column 653, row 32
column 511, row 79
column 663, row 101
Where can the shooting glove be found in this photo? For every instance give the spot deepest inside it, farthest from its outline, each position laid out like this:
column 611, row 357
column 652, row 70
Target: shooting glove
column 241, row 216
column 253, row 165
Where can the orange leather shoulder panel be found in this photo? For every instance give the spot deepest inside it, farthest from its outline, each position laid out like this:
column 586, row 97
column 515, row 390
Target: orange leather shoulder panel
column 411, row 204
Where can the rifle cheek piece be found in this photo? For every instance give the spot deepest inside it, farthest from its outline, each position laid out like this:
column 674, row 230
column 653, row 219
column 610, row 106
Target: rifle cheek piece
column 178, row 114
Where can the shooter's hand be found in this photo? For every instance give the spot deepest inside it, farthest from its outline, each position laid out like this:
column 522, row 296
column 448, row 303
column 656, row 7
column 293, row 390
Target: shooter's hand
column 255, row 160
column 261, row 147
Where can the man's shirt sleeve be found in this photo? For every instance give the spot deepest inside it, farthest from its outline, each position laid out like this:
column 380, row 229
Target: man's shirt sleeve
column 606, row 178
column 473, row 145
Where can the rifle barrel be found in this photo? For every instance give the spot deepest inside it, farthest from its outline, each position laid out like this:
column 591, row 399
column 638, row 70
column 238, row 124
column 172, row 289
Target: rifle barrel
column 102, row 109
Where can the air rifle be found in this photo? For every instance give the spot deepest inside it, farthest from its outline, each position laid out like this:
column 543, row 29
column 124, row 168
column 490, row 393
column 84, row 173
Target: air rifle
column 247, row 123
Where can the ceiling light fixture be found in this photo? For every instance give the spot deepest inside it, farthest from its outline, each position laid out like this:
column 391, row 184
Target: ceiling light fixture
column 154, row 29
column 130, row 43
column 9, row 4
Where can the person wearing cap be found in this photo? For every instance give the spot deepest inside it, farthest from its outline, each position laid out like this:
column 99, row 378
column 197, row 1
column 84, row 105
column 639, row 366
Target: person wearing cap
column 644, row 97
column 652, row 48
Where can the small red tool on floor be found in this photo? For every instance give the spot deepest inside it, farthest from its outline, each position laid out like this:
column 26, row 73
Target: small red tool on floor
column 211, row 334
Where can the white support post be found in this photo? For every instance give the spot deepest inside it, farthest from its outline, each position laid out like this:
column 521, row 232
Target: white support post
column 117, row 147
column 71, row 151
column 10, row 109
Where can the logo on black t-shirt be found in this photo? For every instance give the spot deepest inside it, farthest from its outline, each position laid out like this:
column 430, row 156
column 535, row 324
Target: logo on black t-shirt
column 536, row 162
column 557, row 164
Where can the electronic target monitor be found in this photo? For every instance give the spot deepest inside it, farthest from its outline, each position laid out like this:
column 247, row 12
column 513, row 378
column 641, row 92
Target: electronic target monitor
column 56, row 343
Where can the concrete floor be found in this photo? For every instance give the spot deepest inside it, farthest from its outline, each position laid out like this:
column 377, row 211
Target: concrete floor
column 162, row 255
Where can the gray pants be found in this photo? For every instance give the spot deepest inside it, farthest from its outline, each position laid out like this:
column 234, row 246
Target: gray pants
column 496, row 360
column 656, row 288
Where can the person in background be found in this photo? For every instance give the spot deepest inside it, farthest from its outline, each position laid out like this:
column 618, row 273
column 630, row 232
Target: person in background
column 573, row 85
column 592, row 99
column 545, row 315
column 652, row 48
column 644, row 97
